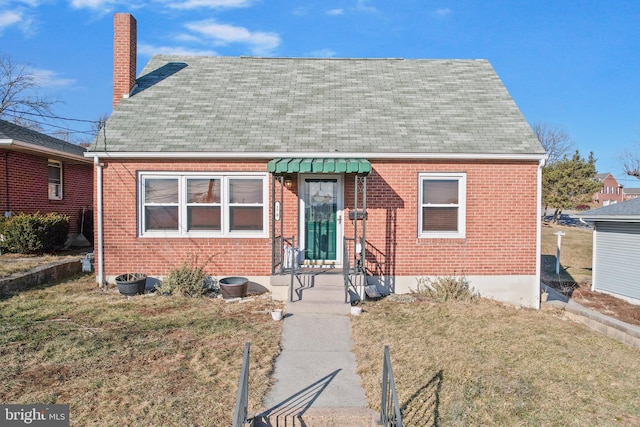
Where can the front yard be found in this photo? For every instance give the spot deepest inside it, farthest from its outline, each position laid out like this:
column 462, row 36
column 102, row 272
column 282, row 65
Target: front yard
column 144, row 361
column 153, row 360
column 487, row 364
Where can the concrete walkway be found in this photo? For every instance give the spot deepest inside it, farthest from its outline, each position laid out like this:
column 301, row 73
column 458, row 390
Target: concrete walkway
column 316, row 370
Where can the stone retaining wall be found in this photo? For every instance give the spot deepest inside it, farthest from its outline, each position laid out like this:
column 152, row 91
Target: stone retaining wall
column 46, row 273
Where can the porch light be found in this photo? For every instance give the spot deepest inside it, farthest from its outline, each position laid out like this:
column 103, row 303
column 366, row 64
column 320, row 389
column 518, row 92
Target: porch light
column 288, row 182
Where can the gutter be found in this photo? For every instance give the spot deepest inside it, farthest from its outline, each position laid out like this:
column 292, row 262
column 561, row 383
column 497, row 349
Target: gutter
column 617, row 218
column 39, row 149
column 100, row 278
column 317, row 155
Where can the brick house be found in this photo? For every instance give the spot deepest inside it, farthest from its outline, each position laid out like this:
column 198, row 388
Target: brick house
column 631, row 193
column 394, row 168
column 39, row 173
column 611, row 191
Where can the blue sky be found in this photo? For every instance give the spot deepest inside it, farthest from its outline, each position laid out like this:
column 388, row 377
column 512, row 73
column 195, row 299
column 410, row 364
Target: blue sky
column 573, row 64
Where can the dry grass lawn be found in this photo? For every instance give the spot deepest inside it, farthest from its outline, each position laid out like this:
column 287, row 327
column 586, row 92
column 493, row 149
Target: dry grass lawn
column 142, row 361
column 575, row 255
column 466, row 364
column 15, row 263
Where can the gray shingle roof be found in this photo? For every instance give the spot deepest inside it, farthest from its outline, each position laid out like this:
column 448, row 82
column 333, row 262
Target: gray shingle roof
column 629, row 210
column 267, row 105
column 629, row 190
column 14, row 132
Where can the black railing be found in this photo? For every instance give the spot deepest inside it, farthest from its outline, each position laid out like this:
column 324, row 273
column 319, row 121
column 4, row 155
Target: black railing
column 242, row 401
column 290, row 261
column 346, row 269
column 390, row 415
column 277, row 262
column 354, row 275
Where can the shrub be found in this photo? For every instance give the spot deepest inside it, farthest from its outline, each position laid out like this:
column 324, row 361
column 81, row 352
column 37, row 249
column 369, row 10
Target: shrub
column 189, row 280
column 34, row 233
column 445, row 288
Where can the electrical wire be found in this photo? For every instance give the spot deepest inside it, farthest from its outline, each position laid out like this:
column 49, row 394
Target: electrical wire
column 53, row 117
column 49, row 125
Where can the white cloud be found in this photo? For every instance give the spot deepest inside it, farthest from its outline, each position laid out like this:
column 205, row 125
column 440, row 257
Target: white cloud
column 323, row 53
column 49, row 79
column 300, row 11
column 8, row 18
column 31, row 3
column 442, row 13
column 19, row 18
column 213, row 4
column 147, row 49
column 363, row 7
column 260, row 43
column 335, row 12
column 92, row 4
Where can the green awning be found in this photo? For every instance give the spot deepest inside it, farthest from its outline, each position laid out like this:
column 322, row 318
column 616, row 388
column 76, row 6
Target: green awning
column 311, row 165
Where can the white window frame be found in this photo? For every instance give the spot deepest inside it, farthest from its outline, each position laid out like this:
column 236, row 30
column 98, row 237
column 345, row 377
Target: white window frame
column 52, row 187
column 225, row 231
column 461, row 177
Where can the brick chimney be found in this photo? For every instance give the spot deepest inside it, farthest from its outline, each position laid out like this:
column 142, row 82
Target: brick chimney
column 124, row 55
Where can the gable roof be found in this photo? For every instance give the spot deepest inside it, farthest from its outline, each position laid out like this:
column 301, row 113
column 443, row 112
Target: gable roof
column 603, row 176
column 24, row 139
column 628, row 211
column 279, row 106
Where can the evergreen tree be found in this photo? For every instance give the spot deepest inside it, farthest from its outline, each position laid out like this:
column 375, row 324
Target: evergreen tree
column 569, row 182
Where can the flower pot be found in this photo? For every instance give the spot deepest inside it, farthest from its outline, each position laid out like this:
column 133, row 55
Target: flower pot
column 276, row 314
column 233, row 287
column 544, row 297
column 131, row 283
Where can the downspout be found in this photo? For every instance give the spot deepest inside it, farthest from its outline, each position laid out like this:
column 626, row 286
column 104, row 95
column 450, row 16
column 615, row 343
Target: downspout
column 100, row 278
column 7, row 205
column 539, row 229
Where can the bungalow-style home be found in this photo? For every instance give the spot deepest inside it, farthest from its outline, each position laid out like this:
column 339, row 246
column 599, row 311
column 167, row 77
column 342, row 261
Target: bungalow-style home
column 631, row 193
column 39, row 173
column 399, row 169
column 611, row 191
column 616, row 249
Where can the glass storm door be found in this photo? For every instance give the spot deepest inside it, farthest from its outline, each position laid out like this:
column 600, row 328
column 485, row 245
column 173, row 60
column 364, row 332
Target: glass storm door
column 322, row 210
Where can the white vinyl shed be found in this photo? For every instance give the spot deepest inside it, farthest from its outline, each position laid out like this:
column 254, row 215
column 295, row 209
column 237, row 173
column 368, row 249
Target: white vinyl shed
column 616, row 249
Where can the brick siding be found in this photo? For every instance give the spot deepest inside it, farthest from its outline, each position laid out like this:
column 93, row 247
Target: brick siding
column 500, row 238
column 28, row 186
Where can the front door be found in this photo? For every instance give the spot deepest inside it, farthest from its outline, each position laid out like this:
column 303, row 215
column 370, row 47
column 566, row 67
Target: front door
column 321, row 218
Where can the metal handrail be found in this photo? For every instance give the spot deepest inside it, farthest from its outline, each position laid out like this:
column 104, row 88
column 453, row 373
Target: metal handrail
column 242, row 401
column 390, row 414
column 292, row 264
column 346, row 269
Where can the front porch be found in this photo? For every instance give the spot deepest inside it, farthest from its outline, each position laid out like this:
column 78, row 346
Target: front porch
column 318, row 226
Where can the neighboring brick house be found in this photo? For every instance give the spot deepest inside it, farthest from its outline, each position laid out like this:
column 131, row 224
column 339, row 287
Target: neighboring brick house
column 631, row 193
column 611, row 191
column 430, row 162
column 39, row 173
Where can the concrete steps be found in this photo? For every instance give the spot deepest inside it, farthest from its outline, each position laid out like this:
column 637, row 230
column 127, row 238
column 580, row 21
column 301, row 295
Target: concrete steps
column 321, row 294
column 320, row 417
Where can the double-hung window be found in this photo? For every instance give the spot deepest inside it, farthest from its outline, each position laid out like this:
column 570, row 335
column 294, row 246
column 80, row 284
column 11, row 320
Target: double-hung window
column 203, row 205
column 54, row 171
column 442, row 205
